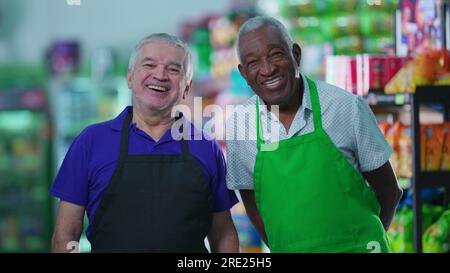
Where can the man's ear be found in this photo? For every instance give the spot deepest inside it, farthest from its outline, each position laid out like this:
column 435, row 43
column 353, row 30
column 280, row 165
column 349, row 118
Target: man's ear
column 187, row 89
column 129, row 76
column 297, row 52
column 242, row 71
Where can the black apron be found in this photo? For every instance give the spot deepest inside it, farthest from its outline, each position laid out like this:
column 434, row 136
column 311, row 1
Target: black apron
column 153, row 203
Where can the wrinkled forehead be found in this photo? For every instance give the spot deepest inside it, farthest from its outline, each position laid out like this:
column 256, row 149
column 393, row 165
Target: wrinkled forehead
column 163, row 51
column 263, row 37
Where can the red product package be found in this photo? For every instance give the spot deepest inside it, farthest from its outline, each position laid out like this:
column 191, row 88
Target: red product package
column 391, row 66
column 370, row 69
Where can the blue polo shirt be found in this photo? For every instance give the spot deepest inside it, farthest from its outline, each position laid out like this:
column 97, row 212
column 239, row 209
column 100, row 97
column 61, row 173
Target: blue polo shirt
column 91, row 160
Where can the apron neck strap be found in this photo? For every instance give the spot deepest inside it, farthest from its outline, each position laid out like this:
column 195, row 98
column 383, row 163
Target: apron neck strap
column 125, row 133
column 125, row 136
column 259, row 133
column 184, row 142
column 315, row 102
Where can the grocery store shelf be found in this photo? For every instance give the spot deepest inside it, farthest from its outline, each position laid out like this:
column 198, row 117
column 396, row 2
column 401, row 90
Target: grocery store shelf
column 32, row 99
column 434, row 179
column 426, row 95
column 377, row 98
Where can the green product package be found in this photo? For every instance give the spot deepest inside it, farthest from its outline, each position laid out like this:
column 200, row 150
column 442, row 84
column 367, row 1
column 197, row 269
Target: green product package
column 400, row 234
column 437, row 236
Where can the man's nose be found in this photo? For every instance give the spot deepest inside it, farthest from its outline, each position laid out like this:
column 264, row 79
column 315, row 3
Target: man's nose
column 267, row 68
column 159, row 73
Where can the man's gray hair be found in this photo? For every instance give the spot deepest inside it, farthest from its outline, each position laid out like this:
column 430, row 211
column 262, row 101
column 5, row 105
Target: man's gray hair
column 257, row 22
column 188, row 66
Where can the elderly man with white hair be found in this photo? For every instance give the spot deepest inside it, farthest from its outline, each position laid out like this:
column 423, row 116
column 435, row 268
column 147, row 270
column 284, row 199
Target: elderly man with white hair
column 324, row 184
column 143, row 189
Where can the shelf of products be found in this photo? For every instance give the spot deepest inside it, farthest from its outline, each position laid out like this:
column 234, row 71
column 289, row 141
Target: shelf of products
column 421, row 176
column 380, row 79
column 326, row 27
column 25, row 174
column 422, row 154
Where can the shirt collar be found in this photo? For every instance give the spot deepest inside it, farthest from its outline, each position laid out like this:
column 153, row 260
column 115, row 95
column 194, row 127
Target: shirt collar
column 116, row 123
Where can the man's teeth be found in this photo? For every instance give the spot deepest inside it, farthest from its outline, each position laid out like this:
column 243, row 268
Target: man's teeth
column 272, row 81
column 158, row 88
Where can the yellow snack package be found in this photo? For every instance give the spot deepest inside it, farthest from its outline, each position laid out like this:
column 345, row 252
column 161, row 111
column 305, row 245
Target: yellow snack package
column 392, row 137
column 445, row 162
column 435, row 138
column 405, row 152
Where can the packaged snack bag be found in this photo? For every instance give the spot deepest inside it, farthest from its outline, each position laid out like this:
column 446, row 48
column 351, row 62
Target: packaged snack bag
column 392, row 137
column 427, row 66
column 384, row 126
column 435, row 138
column 402, row 81
column 437, row 236
column 445, row 162
column 405, row 152
column 399, row 231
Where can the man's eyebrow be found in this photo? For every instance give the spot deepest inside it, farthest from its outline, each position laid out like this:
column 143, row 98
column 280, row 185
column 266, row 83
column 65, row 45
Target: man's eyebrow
column 150, row 59
column 277, row 46
column 176, row 64
column 147, row 59
column 248, row 56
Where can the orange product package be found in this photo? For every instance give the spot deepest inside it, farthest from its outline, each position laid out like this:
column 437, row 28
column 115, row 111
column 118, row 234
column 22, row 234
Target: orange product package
column 405, row 152
column 435, row 140
column 384, row 126
column 392, row 137
column 428, row 65
column 445, row 162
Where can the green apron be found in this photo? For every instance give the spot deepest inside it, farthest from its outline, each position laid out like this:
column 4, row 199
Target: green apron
column 310, row 197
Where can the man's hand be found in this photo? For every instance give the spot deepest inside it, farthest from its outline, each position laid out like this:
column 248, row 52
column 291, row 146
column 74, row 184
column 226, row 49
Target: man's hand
column 384, row 184
column 69, row 225
column 223, row 236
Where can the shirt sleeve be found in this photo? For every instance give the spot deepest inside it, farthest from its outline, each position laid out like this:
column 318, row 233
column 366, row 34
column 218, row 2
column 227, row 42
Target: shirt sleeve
column 71, row 182
column 224, row 199
column 371, row 147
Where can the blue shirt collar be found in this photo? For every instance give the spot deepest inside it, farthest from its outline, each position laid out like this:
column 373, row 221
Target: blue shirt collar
column 116, row 123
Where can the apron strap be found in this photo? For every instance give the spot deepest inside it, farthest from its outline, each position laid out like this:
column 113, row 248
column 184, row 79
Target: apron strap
column 259, row 132
column 184, row 142
column 124, row 138
column 315, row 102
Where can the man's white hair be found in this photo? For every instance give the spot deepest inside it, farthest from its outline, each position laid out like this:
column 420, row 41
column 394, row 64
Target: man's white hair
column 188, row 66
column 257, row 22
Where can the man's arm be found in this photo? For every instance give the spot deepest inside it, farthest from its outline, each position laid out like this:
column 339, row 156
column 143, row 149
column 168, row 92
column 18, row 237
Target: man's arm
column 384, row 183
column 248, row 197
column 69, row 225
column 223, row 236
